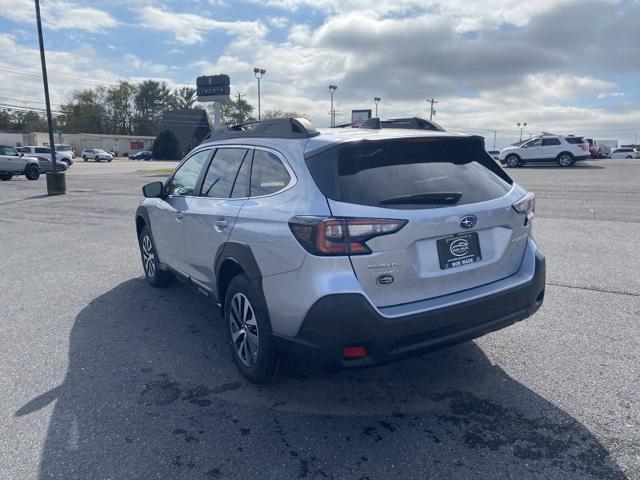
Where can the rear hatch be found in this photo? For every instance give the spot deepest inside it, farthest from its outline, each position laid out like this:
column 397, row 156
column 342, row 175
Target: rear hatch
column 461, row 231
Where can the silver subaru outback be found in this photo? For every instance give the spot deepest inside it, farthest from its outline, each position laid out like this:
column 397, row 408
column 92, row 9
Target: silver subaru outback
column 346, row 247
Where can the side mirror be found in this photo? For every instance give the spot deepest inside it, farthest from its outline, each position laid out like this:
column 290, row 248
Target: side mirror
column 153, row 190
column 21, row 154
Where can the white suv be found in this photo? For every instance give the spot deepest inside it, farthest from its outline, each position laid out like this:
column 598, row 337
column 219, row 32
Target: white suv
column 565, row 150
column 96, row 154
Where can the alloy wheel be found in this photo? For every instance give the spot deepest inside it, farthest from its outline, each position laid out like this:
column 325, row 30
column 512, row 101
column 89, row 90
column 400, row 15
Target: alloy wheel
column 564, row 160
column 244, row 329
column 148, row 256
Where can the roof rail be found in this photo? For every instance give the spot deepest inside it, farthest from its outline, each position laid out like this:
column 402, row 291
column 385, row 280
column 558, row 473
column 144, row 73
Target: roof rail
column 411, row 123
column 271, row 128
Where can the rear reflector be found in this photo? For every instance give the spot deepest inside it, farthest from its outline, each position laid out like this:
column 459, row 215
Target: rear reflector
column 354, row 352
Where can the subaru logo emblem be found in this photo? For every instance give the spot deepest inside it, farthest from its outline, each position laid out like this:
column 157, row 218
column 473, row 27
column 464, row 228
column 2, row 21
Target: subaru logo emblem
column 468, row 221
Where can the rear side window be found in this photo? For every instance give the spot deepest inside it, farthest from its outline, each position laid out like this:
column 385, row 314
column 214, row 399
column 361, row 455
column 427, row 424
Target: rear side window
column 43, row 150
column 268, row 174
column 409, row 174
column 222, row 172
column 550, row 141
column 575, row 140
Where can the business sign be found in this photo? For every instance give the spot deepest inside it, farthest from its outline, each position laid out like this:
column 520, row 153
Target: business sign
column 358, row 117
column 213, row 88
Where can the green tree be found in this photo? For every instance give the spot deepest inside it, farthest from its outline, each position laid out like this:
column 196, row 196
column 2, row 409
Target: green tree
column 184, row 98
column 151, row 99
column 166, row 146
column 86, row 113
column 235, row 112
column 120, row 108
column 5, row 120
column 27, row 121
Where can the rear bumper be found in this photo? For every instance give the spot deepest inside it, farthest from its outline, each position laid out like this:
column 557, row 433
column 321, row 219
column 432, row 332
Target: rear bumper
column 344, row 320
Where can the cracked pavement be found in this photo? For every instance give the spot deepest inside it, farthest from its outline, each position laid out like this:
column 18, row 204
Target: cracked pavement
column 103, row 377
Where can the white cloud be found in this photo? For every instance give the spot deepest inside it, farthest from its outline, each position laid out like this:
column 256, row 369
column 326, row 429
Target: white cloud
column 190, row 29
column 278, row 22
column 59, row 15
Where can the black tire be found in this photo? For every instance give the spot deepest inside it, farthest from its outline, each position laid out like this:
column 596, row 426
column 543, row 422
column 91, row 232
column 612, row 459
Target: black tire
column 151, row 266
column 512, row 161
column 84, row 158
column 5, row 177
column 266, row 362
column 565, row 159
column 109, row 161
column 32, row 172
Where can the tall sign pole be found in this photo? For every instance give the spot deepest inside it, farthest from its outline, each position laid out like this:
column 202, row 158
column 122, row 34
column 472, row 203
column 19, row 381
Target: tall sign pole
column 56, row 184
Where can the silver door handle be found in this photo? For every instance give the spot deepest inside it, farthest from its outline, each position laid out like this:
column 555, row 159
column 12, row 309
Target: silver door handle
column 221, row 224
column 179, row 216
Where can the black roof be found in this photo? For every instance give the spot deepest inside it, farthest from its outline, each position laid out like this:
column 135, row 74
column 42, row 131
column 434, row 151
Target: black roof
column 271, row 128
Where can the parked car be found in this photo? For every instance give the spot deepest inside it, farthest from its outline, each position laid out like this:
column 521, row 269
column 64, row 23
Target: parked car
column 347, row 247
column 44, row 154
column 144, row 155
column 96, row 154
column 624, row 152
column 563, row 149
column 66, row 149
column 13, row 163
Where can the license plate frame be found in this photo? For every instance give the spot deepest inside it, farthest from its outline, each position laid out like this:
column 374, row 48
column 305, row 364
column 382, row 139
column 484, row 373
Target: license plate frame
column 459, row 250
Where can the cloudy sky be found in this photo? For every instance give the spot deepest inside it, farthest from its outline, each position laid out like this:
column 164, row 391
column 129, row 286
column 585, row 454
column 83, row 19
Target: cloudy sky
column 562, row 66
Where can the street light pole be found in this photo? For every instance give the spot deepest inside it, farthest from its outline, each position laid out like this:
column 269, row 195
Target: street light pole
column 521, row 126
column 376, row 99
column 259, row 73
column 56, row 183
column 332, row 89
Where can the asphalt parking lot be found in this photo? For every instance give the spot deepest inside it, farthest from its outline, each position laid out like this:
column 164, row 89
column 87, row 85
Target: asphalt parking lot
column 104, row 377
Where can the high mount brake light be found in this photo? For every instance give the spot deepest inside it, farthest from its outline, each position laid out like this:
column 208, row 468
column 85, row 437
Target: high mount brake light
column 526, row 204
column 340, row 236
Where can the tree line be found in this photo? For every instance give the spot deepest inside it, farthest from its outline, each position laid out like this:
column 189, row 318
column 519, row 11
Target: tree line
column 126, row 109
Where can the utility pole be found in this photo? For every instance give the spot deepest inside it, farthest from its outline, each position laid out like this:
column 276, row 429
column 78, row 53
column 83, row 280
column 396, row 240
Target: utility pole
column 56, row 182
column 259, row 73
column 332, row 90
column 432, row 112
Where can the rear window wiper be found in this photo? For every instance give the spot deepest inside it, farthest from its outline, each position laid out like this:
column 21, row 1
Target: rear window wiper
column 443, row 198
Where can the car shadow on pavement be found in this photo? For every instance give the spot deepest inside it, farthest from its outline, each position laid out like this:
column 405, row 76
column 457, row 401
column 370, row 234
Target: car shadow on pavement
column 151, row 392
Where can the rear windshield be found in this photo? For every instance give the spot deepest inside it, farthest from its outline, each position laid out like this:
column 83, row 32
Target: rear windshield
column 409, row 174
column 575, row 140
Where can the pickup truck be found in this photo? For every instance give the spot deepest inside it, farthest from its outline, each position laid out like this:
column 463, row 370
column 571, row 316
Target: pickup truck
column 14, row 163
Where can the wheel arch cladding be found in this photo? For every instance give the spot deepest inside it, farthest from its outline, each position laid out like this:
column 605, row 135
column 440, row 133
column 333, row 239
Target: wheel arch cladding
column 142, row 220
column 233, row 258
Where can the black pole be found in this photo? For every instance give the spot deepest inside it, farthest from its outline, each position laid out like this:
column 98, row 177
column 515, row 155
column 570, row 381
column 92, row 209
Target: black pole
column 259, row 99
column 52, row 144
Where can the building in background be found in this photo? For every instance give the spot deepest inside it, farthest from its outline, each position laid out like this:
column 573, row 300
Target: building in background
column 119, row 144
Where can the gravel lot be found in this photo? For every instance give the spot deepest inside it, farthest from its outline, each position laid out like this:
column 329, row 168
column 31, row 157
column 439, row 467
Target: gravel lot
column 104, row 377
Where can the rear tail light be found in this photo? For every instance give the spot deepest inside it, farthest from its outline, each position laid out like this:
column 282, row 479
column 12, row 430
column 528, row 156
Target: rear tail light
column 527, row 205
column 340, row 236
